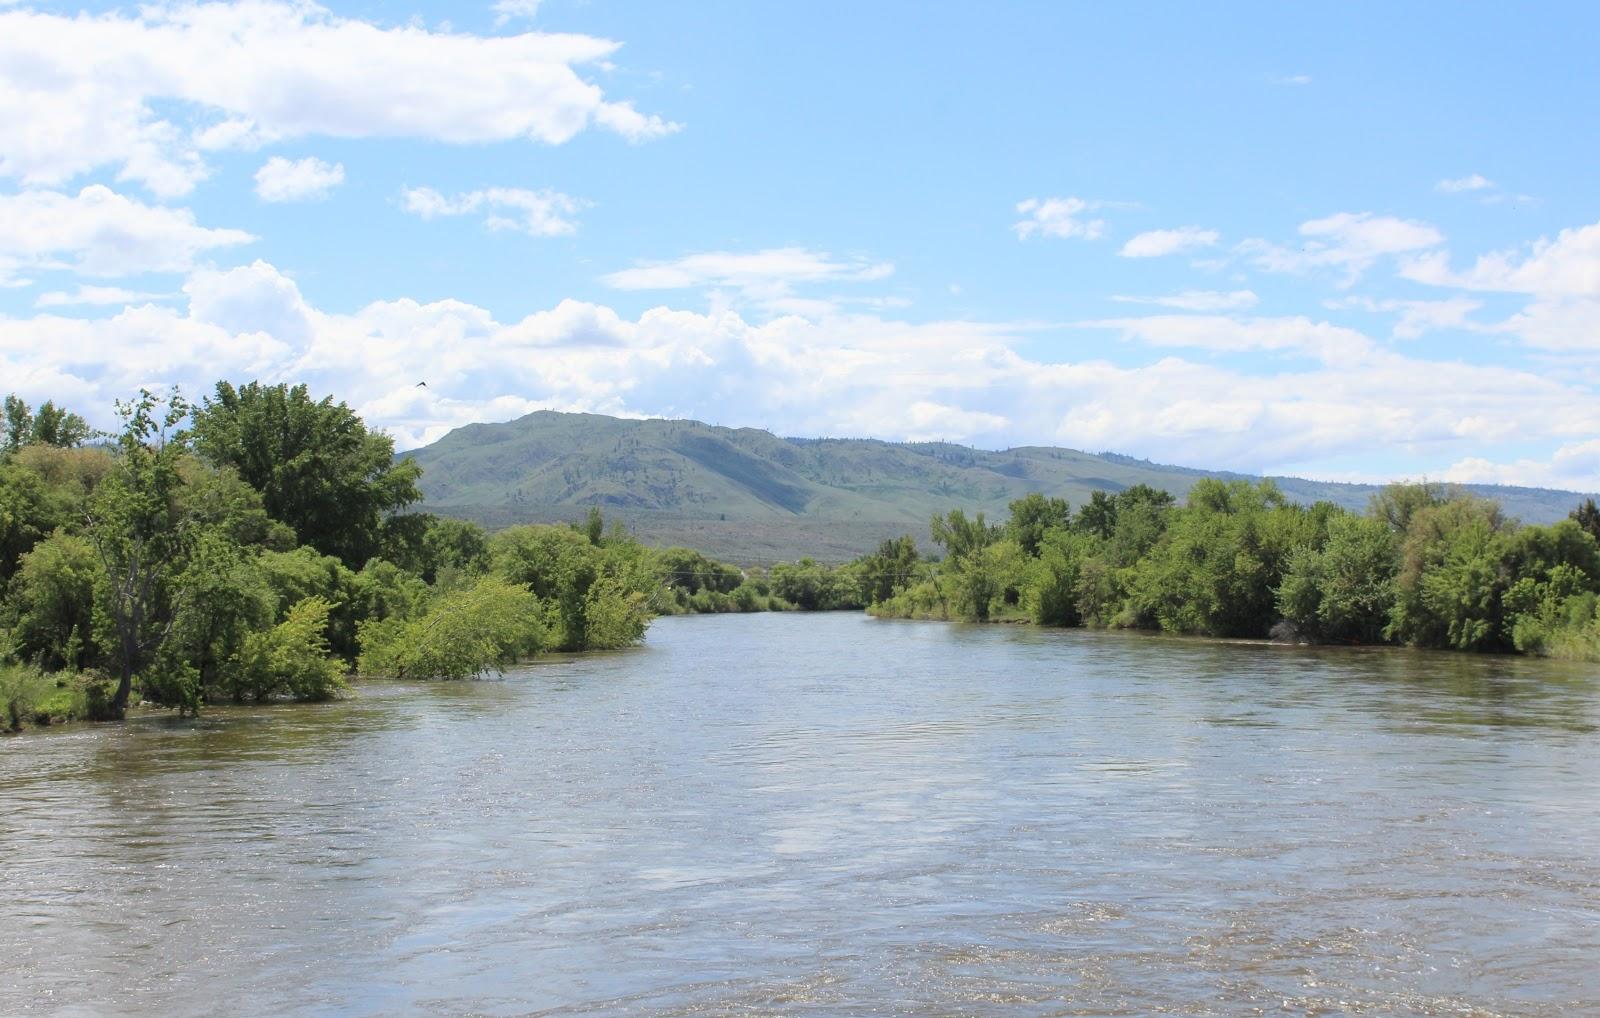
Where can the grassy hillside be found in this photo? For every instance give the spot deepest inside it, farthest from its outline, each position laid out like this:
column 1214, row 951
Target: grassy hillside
column 752, row 496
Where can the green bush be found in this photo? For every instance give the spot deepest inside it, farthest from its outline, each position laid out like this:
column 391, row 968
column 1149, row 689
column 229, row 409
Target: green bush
column 292, row 658
column 464, row 634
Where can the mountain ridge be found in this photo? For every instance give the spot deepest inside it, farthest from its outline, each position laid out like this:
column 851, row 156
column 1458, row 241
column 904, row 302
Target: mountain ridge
column 750, row 495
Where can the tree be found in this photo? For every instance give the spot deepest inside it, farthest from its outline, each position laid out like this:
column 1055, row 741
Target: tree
column 291, row 659
column 961, row 536
column 1032, row 516
column 57, row 427
column 890, row 569
column 53, row 599
column 1050, row 589
column 18, row 424
column 315, row 463
column 51, row 426
column 1395, row 504
column 227, row 600
column 1098, row 516
column 1344, row 591
column 137, row 526
column 1451, row 577
column 1587, row 516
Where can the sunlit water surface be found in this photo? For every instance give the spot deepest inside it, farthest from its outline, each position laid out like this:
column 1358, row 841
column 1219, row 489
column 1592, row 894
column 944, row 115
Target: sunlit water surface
column 830, row 815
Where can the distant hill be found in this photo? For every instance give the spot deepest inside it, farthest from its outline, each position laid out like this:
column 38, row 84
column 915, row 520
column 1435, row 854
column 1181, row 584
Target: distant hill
column 753, row 497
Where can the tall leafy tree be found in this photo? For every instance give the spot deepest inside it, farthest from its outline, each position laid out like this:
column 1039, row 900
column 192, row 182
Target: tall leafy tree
column 138, row 528
column 52, row 425
column 315, row 463
column 1032, row 516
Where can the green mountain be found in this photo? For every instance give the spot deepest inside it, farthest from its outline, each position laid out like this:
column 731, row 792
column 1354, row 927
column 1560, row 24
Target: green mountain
column 753, row 497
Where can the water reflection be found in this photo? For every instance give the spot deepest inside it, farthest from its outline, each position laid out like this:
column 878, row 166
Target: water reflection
column 829, row 814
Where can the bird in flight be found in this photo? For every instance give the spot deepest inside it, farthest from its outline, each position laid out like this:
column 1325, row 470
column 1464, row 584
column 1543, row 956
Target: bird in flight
column 422, row 385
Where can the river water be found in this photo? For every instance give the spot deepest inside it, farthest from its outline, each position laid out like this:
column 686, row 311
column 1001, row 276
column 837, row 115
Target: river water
column 826, row 814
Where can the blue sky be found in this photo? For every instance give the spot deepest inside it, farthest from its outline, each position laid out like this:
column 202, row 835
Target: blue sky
column 1351, row 242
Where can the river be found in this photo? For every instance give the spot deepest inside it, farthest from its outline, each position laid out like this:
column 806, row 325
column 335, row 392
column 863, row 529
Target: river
column 827, row 814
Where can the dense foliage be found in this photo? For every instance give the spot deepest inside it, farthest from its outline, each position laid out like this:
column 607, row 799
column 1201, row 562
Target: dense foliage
column 255, row 548
column 1425, row 566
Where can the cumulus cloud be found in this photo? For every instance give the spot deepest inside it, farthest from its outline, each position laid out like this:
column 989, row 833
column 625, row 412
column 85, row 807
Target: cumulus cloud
column 150, row 91
column 99, row 232
column 848, row 374
column 1568, row 266
column 536, row 213
column 1058, row 217
column 1199, row 300
column 1346, row 242
column 308, row 179
column 1156, row 243
column 1574, row 467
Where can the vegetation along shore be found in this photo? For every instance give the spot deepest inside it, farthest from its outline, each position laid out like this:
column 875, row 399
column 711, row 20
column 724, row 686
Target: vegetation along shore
column 263, row 545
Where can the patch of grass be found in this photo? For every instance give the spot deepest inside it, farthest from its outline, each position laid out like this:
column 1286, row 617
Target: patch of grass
column 31, row 697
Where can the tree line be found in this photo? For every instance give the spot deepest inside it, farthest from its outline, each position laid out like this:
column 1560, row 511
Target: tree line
column 1426, row 565
column 263, row 545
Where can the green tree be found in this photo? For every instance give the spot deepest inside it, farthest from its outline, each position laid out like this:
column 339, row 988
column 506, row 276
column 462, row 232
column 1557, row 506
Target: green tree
column 315, row 463
column 1343, row 591
column 1451, row 577
column 227, row 599
column 291, row 659
column 1034, row 515
column 52, row 426
column 18, row 424
column 959, row 535
column 1395, row 504
column 1587, row 516
column 294, row 576
column 139, row 531
column 1052, row 584
column 53, row 599
column 893, row 567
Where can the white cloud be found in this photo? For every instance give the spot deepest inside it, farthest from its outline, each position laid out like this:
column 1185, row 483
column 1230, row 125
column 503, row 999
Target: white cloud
column 846, row 374
column 514, row 10
column 536, row 213
column 1058, row 217
column 1200, row 300
column 1155, row 243
column 150, row 92
column 93, row 296
column 1462, row 185
column 1562, row 325
column 1573, row 467
column 769, row 274
column 1568, row 266
column 1416, row 316
column 1348, row 242
column 1294, row 79
column 308, row 179
column 101, row 233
